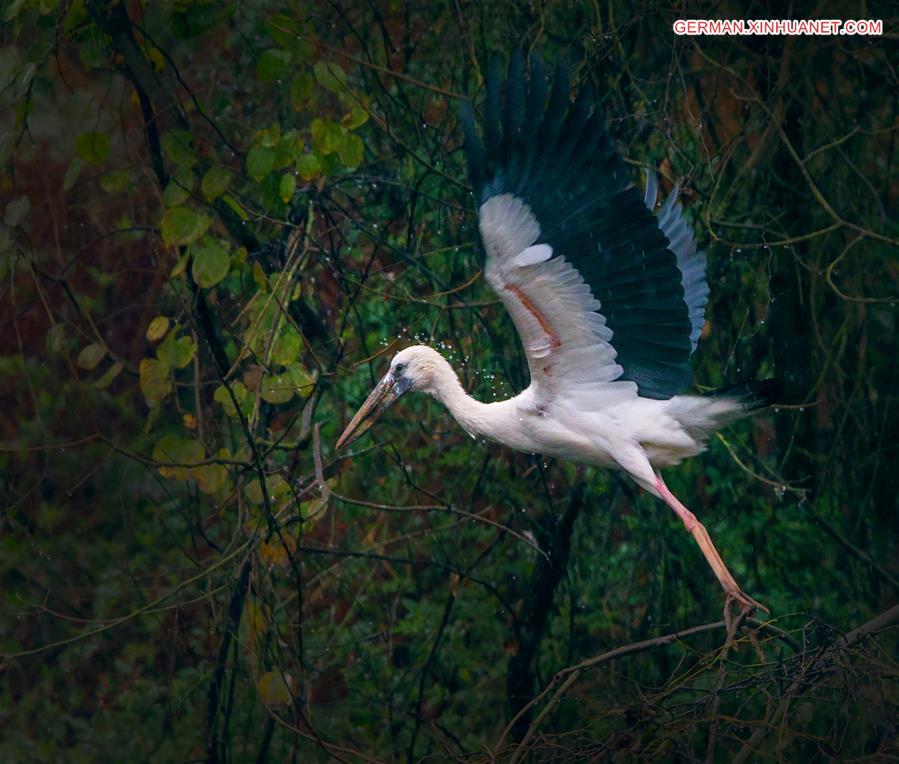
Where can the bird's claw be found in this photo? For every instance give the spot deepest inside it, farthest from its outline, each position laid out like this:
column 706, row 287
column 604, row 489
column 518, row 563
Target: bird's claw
column 747, row 604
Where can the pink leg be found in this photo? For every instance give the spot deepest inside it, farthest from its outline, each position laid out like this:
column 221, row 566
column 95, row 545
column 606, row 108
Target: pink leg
column 701, row 535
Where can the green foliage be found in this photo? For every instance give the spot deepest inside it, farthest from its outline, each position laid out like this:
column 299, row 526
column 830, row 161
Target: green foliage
column 210, row 262
column 215, row 183
column 176, row 352
column 272, row 64
column 182, row 225
column 177, row 149
column 92, row 147
column 221, row 219
column 330, row 76
column 260, row 162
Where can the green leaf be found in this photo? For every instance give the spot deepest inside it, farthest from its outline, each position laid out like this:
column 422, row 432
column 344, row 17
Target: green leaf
column 92, row 147
column 235, row 207
column 115, row 181
column 327, row 135
column 285, row 31
column 287, row 187
column 211, row 262
column 210, row 478
column 90, row 356
column 154, row 381
column 270, row 197
column 243, row 396
column 72, row 172
column 109, row 375
column 269, row 136
column 272, row 64
column 276, row 388
column 289, row 149
column 260, row 161
column 330, row 163
column 215, row 182
column 176, row 145
column 286, row 347
column 261, row 281
column 222, row 397
column 176, row 351
column 75, row 16
column 92, row 47
column 16, row 211
column 300, row 378
column 278, row 489
column 300, row 91
column 181, row 225
column 351, row 151
column 293, row 141
column 177, row 192
column 330, row 76
column 357, row 117
column 308, row 166
column 265, row 319
column 183, row 451
column 157, row 328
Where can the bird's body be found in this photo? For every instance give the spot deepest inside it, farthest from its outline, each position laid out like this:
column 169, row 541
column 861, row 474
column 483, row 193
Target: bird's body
column 607, row 296
column 639, row 435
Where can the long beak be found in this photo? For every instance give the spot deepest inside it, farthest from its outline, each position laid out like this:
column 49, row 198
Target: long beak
column 385, row 393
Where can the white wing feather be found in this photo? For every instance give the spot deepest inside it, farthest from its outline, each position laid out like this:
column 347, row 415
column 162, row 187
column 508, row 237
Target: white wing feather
column 565, row 338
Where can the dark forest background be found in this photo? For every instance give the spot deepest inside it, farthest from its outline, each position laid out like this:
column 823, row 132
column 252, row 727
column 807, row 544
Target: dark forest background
column 221, row 219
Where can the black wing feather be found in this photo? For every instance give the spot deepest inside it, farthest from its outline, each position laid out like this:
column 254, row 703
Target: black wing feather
column 493, row 109
column 514, row 115
column 560, row 161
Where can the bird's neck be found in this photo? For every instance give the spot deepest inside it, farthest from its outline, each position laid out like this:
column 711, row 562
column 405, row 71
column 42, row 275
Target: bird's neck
column 471, row 414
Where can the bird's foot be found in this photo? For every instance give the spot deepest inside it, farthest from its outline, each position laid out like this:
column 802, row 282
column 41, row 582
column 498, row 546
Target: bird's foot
column 746, row 604
column 738, row 606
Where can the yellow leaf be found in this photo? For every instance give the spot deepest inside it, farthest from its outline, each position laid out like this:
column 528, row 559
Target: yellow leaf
column 157, row 328
column 180, row 266
column 109, row 375
column 277, row 553
column 154, row 380
column 276, row 689
column 90, row 356
column 256, row 625
column 155, row 55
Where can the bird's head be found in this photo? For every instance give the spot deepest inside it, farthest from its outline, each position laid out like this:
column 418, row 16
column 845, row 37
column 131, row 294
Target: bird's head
column 415, row 368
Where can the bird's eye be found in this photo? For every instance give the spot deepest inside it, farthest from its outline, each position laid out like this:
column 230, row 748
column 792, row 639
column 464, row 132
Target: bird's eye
column 399, row 368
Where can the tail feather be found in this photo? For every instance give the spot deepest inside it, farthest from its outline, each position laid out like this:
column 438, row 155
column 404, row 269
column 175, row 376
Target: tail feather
column 752, row 395
column 701, row 415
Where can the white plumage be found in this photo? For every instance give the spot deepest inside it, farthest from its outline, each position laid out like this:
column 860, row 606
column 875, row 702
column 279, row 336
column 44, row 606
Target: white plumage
column 607, row 298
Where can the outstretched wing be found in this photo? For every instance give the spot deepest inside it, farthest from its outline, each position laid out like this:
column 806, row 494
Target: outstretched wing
column 567, row 236
column 566, row 340
column 690, row 261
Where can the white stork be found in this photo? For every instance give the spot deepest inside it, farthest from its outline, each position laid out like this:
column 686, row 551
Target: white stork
column 608, row 298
